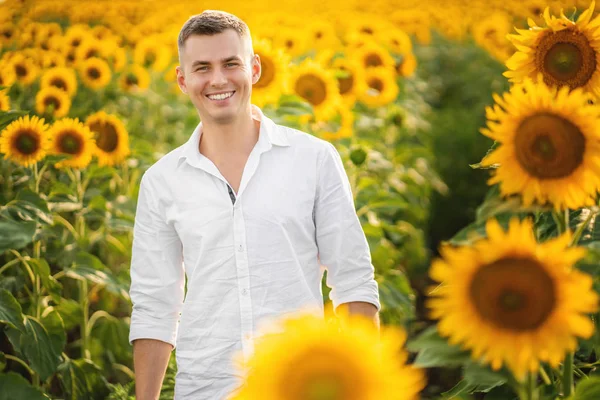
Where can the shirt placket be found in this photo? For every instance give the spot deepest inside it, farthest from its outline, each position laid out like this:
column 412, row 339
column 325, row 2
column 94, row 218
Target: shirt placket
column 243, row 279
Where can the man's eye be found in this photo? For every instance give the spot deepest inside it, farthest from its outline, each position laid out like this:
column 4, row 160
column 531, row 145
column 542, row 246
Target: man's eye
column 201, row 68
column 230, row 64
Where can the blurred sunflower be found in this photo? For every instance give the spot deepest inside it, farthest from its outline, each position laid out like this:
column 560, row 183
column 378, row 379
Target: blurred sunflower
column 76, row 34
column 345, row 125
column 89, row 47
column 322, row 35
column 273, row 77
column 52, row 101
column 381, row 87
column 60, row 77
column 112, row 139
column 70, row 137
column 149, row 54
column 291, row 41
column 4, row 100
column 406, row 65
column 7, row 32
column 490, row 33
column 95, row 73
column 314, row 359
column 52, row 58
column 134, row 78
column 317, row 86
column 566, row 53
column 372, row 55
column 397, row 41
column 549, row 145
column 512, row 301
column 25, row 69
column 115, row 55
column 350, row 77
column 25, row 141
column 414, row 21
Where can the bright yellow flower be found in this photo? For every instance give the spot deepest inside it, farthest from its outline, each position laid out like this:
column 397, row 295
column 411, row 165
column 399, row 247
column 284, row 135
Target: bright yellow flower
column 52, row 101
column 381, row 87
column 4, row 100
column 95, row 73
column 25, row 141
column 112, row 139
column 317, row 86
column 274, row 71
column 549, row 145
column 511, row 301
column 72, row 138
column 134, row 78
column 62, row 78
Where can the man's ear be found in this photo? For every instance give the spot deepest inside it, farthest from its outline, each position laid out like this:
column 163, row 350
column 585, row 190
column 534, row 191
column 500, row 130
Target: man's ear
column 256, row 68
column 181, row 79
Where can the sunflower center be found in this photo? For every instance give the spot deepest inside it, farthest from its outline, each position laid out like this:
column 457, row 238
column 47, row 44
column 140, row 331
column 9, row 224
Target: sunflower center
column 53, row 102
column 373, row 60
column 566, row 58
column 94, row 73
column 346, row 83
column 70, row 143
column 376, row 84
column 26, row 142
column 289, row 44
column 59, row 83
column 549, row 146
column 131, row 79
column 513, row 293
column 107, row 138
column 267, row 73
column 311, row 88
column 149, row 59
column 367, row 30
column 324, row 388
column 20, row 70
column 91, row 53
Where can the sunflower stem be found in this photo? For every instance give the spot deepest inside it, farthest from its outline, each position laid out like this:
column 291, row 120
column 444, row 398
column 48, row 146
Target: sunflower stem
column 83, row 299
column 545, row 376
column 568, row 375
column 583, row 226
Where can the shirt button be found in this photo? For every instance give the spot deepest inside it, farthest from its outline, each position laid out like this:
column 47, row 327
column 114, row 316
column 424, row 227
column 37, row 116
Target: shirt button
column 244, row 291
column 240, row 248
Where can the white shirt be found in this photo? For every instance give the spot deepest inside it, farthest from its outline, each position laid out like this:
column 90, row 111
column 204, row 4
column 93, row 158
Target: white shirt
column 245, row 263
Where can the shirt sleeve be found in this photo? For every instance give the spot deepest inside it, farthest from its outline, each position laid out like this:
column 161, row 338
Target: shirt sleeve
column 157, row 273
column 343, row 247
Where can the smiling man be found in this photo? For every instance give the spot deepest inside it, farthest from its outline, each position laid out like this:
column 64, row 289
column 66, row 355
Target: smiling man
column 250, row 212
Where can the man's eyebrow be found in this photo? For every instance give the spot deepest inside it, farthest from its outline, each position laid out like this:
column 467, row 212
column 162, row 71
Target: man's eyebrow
column 200, row 62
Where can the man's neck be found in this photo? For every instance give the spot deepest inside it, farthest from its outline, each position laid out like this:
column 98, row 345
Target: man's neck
column 236, row 139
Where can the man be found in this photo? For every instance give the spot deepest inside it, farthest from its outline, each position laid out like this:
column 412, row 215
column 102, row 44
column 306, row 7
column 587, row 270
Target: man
column 249, row 211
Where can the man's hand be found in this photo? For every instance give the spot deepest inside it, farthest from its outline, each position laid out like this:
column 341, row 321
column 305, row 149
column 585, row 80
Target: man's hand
column 361, row 308
column 150, row 360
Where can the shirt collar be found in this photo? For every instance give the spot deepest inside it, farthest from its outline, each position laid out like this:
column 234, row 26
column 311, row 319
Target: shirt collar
column 269, row 132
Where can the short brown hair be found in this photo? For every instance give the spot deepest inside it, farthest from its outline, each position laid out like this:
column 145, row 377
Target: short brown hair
column 211, row 22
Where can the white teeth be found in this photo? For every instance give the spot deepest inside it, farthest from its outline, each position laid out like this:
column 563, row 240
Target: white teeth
column 221, row 96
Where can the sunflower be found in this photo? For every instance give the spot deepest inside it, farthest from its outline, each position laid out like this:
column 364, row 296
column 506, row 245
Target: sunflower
column 291, row 41
column 52, row 58
column 62, row 78
column 134, row 78
column 322, row 35
column 25, row 141
column 72, row 138
column 512, row 301
column 273, row 75
column 115, row 55
column 350, row 77
column 25, row 69
column 112, row 139
column 566, row 53
column 397, row 41
column 372, row 55
column 152, row 55
column 4, row 100
column 76, row 34
column 8, row 76
column 52, row 101
column 549, row 145
column 414, row 21
column 89, row 47
column 406, row 65
column 345, row 125
column 7, row 32
column 317, row 86
column 95, row 73
column 381, row 87
column 312, row 359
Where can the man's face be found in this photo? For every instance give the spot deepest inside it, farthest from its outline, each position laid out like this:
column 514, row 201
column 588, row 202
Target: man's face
column 217, row 73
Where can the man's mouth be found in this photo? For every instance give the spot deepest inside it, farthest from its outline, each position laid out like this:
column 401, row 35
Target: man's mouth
column 220, row 96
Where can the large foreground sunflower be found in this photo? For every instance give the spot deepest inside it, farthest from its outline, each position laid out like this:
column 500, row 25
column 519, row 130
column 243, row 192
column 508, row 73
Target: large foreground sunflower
column 312, row 359
column 566, row 53
column 25, row 141
column 317, row 86
column 511, row 301
column 273, row 75
column 112, row 139
column 72, row 138
column 549, row 145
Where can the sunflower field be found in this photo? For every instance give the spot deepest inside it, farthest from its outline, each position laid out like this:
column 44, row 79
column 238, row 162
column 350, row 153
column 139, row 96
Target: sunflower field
column 470, row 132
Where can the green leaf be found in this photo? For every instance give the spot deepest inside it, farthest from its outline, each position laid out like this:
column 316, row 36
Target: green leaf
column 2, row 361
column 91, row 268
column 55, row 326
column 32, row 206
column 6, row 117
column 483, row 379
column 14, row 386
column 15, row 235
column 42, row 269
column 82, row 379
column 10, row 311
column 42, row 352
column 113, row 334
column 70, row 312
column 434, row 351
column 588, row 389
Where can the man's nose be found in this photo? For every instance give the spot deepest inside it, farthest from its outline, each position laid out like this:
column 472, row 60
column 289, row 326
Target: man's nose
column 218, row 77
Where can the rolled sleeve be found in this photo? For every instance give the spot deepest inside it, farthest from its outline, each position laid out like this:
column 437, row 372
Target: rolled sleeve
column 157, row 273
column 343, row 247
